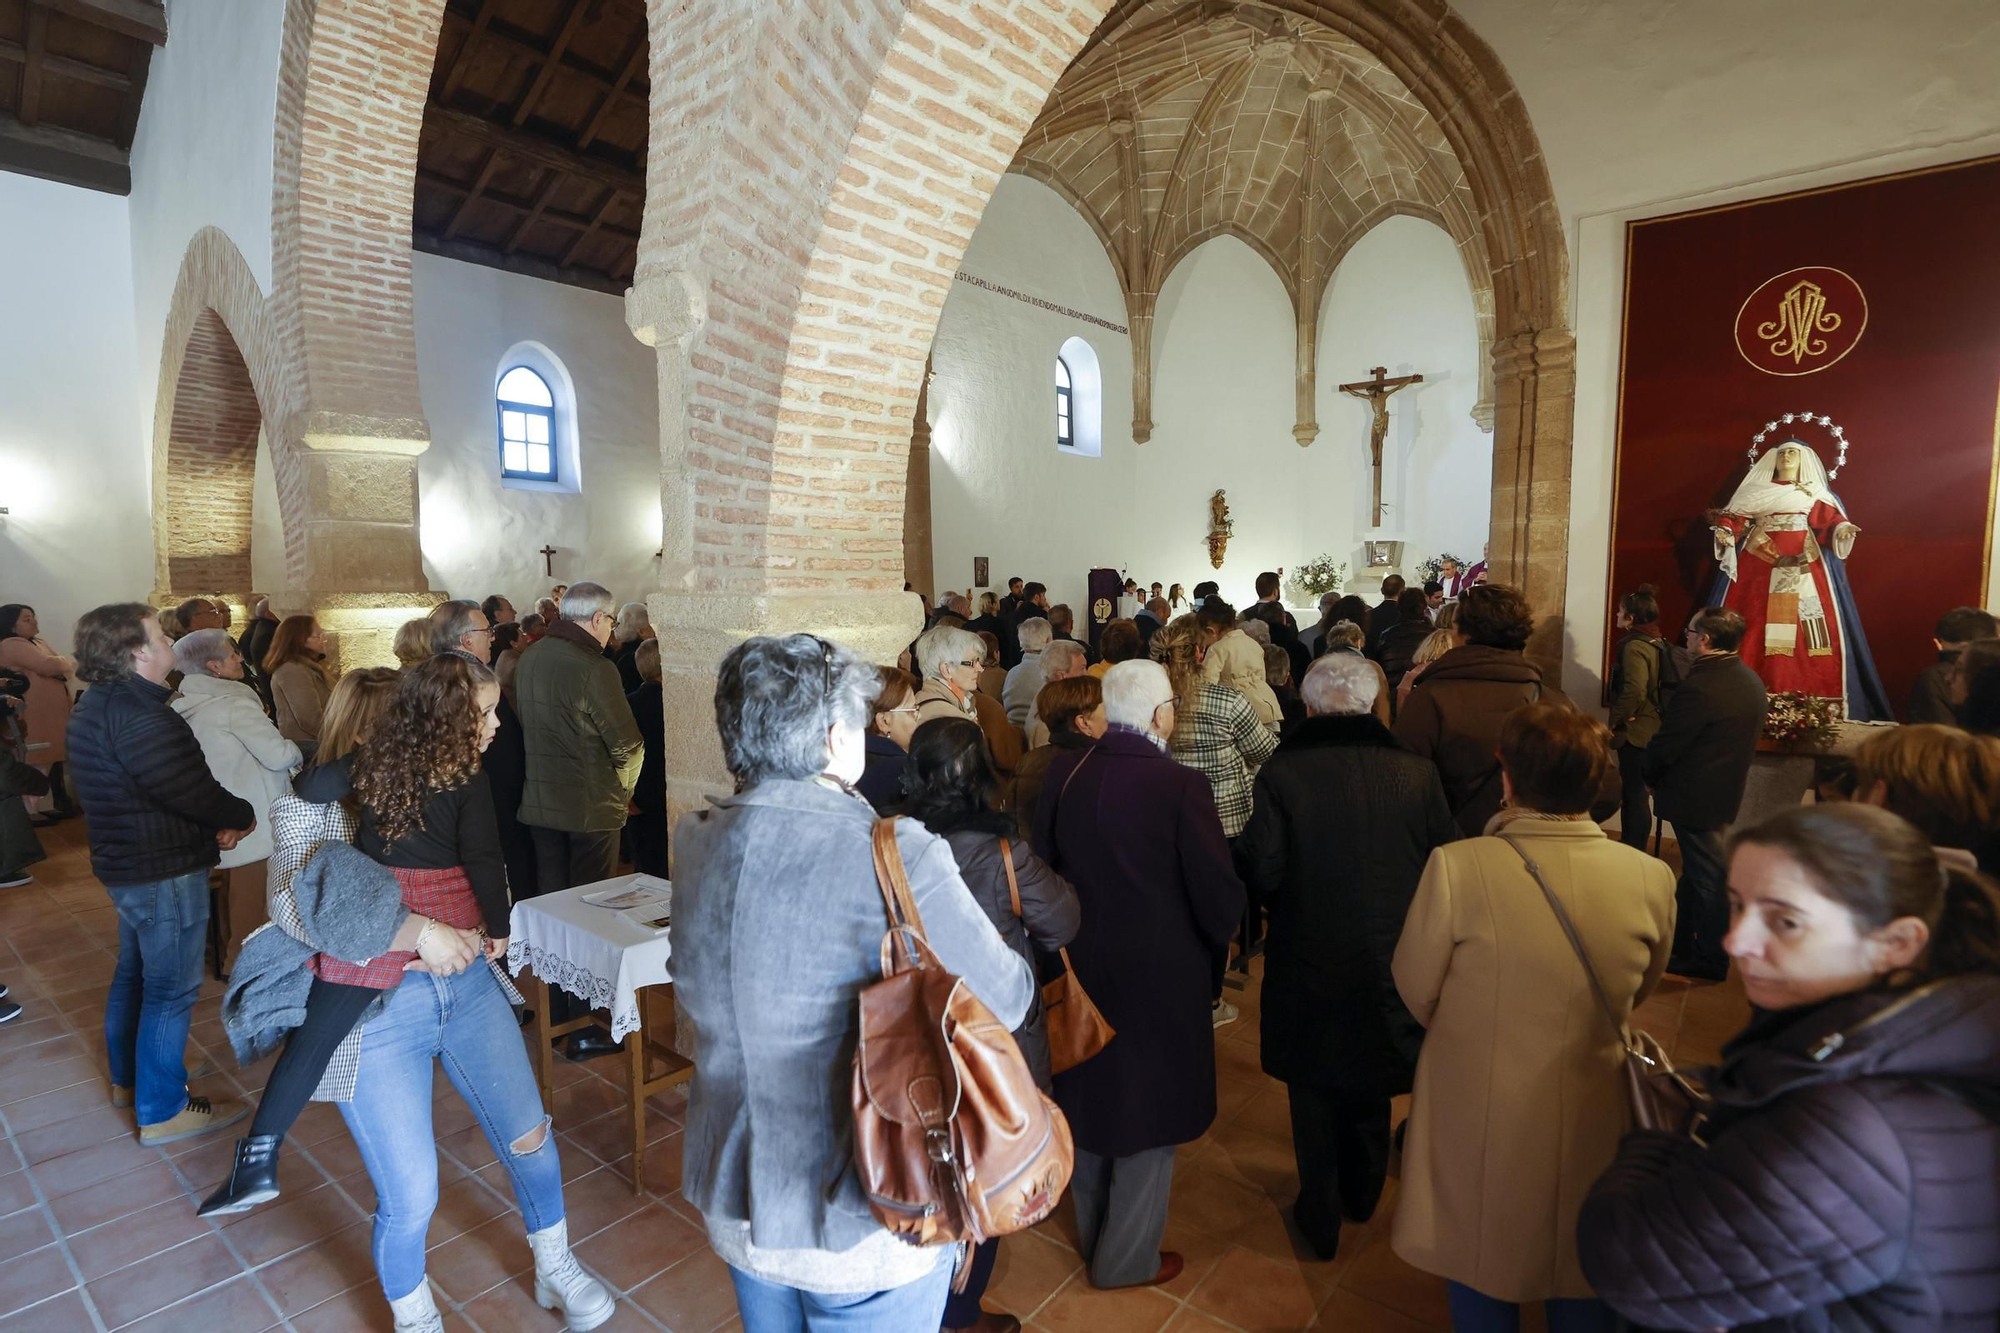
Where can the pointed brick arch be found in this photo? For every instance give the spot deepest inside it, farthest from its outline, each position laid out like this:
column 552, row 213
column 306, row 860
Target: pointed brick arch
column 222, row 381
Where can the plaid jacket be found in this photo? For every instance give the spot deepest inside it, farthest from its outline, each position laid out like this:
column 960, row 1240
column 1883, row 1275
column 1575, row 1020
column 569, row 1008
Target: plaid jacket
column 1219, row 733
column 299, row 828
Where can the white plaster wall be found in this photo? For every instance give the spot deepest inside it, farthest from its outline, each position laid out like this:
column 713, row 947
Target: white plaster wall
column 203, row 156
column 1650, row 108
column 74, row 470
column 479, row 538
column 1223, row 409
column 999, row 486
column 1400, row 299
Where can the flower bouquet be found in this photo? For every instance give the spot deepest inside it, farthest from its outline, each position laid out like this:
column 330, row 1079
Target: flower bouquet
column 1802, row 719
column 1319, row 576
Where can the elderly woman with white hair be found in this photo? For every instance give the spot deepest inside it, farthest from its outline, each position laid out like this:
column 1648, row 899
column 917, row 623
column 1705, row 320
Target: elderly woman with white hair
column 1347, row 638
column 776, row 898
column 247, row 756
column 1344, row 821
column 1136, row 834
column 949, row 660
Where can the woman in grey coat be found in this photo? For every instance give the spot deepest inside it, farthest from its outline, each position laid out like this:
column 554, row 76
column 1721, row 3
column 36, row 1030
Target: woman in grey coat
column 953, row 790
column 777, row 929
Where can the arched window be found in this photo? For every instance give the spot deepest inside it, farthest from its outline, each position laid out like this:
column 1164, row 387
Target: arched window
column 1065, row 431
column 527, row 426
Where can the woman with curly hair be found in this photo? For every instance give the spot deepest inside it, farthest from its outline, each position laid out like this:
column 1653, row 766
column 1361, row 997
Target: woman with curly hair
column 425, row 812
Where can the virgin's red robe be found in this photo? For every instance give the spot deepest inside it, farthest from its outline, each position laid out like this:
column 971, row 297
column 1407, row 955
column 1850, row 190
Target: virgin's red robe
column 1815, row 663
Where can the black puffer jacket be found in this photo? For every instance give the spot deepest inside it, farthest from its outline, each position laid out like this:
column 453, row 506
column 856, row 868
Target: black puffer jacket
column 152, row 806
column 1852, row 1179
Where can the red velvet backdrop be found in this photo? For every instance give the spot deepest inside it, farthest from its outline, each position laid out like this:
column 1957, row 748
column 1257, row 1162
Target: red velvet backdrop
column 1917, row 394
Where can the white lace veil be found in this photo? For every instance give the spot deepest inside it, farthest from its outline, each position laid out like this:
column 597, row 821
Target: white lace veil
column 1762, row 493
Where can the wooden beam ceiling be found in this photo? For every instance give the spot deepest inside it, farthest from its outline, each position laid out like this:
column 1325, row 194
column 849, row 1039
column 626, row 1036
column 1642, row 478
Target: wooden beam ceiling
column 71, row 108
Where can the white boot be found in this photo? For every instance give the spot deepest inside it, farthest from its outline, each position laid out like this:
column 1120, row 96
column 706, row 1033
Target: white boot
column 417, row 1312
column 561, row 1284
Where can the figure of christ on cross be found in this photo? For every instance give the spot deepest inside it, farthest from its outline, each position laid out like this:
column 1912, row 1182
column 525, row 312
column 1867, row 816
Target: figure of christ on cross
column 548, row 555
column 1377, row 392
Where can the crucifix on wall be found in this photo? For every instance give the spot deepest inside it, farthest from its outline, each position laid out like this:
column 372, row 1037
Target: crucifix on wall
column 548, row 554
column 1377, row 392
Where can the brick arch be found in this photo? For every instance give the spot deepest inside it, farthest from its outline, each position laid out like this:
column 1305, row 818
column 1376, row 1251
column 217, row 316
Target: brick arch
column 222, row 381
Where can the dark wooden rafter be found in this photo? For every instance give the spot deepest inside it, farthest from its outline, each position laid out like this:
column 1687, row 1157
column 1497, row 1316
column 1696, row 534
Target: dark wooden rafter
column 473, row 193
column 635, row 60
column 549, row 63
column 539, row 149
column 560, row 217
column 59, row 132
column 551, row 181
column 501, row 33
column 463, row 61
column 29, row 107
column 583, row 237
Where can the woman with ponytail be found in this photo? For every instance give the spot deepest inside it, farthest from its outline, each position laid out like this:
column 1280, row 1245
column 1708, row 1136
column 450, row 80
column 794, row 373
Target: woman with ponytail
column 1847, row 1174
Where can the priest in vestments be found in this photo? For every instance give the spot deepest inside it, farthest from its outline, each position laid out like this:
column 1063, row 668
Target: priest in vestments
column 1781, row 546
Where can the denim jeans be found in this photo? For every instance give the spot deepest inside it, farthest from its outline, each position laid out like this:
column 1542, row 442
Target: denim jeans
column 914, row 1307
column 465, row 1023
column 1475, row 1312
column 1702, row 899
column 162, row 933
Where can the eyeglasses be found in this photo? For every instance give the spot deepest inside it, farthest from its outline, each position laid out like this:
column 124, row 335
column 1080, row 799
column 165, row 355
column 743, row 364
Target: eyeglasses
column 906, row 708
column 968, row 664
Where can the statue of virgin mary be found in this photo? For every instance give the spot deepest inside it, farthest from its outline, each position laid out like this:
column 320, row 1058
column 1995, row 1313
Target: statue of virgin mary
column 1781, row 546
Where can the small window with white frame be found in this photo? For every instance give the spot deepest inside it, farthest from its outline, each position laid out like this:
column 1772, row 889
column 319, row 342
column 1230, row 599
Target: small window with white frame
column 1065, row 390
column 527, row 426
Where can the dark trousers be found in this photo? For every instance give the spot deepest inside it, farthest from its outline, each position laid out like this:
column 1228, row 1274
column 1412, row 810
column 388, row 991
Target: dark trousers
column 1635, row 814
column 332, row 1010
column 647, row 835
column 1702, row 900
column 564, row 860
column 1476, row 1312
column 961, row 1308
column 1341, row 1139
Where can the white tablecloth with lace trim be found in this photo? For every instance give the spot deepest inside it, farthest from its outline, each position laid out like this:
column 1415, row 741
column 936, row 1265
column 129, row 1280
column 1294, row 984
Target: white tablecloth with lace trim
column 595, row 953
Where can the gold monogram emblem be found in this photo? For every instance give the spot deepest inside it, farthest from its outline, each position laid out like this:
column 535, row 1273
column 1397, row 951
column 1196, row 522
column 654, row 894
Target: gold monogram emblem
column 1801, row 321
column 1101, row 608
column 1802, row 314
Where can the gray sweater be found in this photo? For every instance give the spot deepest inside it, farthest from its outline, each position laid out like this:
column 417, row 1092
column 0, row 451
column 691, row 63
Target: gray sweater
column 777, row 928
column 352, row 906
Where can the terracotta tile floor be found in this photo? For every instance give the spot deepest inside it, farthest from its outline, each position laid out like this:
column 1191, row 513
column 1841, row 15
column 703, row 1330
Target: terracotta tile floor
column 97, row 1233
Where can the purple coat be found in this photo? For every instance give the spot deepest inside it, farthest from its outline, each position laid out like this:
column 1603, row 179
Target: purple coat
column 1137, row 835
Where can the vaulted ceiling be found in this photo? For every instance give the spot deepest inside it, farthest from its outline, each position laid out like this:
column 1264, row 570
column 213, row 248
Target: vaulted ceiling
column 532, row 156
column 72, row 77
column 1188, row 119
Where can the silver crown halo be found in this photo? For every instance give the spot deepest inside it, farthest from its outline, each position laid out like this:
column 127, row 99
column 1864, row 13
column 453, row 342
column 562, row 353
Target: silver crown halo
column 1804, row 419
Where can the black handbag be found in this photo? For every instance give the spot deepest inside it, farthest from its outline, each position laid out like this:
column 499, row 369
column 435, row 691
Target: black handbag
column 1661, row 1096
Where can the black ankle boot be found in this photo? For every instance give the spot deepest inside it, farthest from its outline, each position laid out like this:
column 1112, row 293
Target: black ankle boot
column 252, row 1180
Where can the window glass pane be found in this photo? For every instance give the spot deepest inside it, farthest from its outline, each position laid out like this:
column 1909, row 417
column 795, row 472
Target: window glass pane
column 522, row 385
column 514, row 425
column 516, row 457
column 1062, row 373
column 538, row 459
column 538, row 429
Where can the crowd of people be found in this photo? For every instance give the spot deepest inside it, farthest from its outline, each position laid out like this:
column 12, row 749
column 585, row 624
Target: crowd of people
column 1391, row 808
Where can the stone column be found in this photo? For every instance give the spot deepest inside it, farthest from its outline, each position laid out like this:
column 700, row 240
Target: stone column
column 917, row 497
column 1535, row 402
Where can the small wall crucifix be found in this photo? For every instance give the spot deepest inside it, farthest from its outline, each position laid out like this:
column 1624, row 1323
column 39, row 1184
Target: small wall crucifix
column 1377, row 392
column 548, row 554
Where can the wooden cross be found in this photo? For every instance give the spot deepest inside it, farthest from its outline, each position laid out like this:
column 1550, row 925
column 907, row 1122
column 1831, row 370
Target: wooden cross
column 1377, row 392
column 548, row 554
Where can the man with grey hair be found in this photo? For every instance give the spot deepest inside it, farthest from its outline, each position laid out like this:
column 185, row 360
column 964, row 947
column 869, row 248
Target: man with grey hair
column 1312, row 637
column 1024, row 678
column 1060, row 661
column 1138, row 835
column 583, row 757
column 1341, row 825
column 461, row 627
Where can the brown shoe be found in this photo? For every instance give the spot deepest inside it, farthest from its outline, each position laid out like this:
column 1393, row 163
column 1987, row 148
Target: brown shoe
column 199, row 1116
column 121, row 1096
column 989, row 1322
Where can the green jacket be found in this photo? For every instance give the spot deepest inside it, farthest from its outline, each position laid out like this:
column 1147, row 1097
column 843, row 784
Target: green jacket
column 1635, row 709
column 583, row 746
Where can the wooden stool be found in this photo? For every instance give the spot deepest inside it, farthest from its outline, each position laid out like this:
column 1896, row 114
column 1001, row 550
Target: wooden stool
column 640, row 1046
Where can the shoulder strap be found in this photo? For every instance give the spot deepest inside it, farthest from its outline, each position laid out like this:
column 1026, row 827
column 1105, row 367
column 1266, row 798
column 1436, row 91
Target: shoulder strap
column 1074, row 771
column 1013, row 885
column 894, row 881
column 1569, row 930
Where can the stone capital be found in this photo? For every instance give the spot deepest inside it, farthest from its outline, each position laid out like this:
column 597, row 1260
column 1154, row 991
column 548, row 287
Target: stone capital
column 665, row 307
column 353, row 433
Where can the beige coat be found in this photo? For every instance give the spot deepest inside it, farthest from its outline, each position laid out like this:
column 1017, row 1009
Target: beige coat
column 47, row 713
column 299, row 694
column 1237, row 661
column 1519, row 1100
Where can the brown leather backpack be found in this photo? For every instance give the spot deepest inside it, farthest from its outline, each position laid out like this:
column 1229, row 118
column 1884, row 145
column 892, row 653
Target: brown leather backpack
column 952, row 1139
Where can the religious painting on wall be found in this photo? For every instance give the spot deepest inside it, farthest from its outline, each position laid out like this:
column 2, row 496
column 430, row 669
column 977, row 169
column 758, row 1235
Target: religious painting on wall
column 1807, row 424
